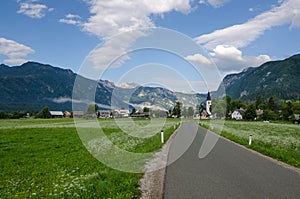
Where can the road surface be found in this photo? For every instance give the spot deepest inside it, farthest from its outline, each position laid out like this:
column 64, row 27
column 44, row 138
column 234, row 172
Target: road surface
column 228, row 171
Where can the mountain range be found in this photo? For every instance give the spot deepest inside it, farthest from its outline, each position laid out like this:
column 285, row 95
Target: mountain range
column 33, row 85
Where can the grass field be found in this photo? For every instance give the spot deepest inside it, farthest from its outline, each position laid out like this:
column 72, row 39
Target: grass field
column 46, row 159
column 280, row 141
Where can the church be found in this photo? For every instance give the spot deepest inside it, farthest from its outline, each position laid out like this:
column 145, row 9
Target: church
column 206, row 113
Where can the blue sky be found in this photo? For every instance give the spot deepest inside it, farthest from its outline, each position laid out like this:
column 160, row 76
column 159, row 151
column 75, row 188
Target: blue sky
column 233, row 33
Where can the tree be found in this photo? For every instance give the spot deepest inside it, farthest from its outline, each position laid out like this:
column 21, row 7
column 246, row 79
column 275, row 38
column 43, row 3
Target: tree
column 287, row 111
column 177, row 109
column 200, row 108
column 271, row 104
column 184, row 112
column 44, row 113
column 296, row 107
column 229, row 107
column 190, row 112
column 237, row 104
column 16, row 114
column 133, row 111
column 269, row 115
column 219, row 107
column 250, row 113
column 258, row 102
column 92, row 108
column 170, row 113
column 146, row 110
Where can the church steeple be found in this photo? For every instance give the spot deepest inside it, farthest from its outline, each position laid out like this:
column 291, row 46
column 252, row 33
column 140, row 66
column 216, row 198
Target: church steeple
column 208, row 96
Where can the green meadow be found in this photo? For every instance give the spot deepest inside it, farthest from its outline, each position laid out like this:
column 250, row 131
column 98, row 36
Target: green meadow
column 47, row 159
column 278, row 140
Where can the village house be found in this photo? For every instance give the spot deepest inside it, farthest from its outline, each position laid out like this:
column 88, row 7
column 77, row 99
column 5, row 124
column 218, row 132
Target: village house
column 140, row 114
column 238, row 114
column 56, row 114
column 259, row 112
column 104, row 114
column 67, row 114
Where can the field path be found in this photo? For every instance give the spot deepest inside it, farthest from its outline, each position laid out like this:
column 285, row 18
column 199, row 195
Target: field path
column 228, row 171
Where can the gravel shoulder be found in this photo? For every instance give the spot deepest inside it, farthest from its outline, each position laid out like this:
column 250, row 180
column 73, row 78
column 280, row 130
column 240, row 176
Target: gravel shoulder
column 152, row 183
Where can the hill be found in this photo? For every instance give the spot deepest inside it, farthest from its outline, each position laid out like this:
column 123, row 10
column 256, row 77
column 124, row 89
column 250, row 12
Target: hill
column 279, row 79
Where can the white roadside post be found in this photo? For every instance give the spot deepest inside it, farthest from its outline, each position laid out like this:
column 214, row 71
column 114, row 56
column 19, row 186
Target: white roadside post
column 162, row 136
column 250, row 139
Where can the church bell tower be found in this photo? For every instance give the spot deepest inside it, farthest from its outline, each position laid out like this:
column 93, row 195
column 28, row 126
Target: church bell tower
column 208, row 104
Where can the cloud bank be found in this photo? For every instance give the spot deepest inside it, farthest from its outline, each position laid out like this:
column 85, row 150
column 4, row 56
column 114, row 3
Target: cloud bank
column 243, row 34
column 225, row 44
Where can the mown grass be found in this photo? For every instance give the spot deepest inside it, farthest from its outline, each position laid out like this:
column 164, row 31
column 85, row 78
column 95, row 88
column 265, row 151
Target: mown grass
column 43, row 161
column 280, row 141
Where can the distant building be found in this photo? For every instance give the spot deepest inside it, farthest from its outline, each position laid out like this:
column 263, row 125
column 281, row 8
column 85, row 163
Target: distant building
column 140, row 114
column 67, row 114
column 124, row 113
column 259, row 112
column 104, row 113
column 159, row 113
column 120, row 113
column 237, row 114
column 78, row 113
column 56, row 114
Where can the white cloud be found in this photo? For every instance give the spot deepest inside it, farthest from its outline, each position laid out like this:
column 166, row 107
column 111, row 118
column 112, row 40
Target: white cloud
column 71, row 19
column 110, row 18
column 227, row 52
column 34, row 10
column 72, row 16
column 116, row 16
column 242, row 34
column 214, row 3
column 225, row 44
column 251, row 9
column 228, row 58
column 14, row 51
column 198, row 58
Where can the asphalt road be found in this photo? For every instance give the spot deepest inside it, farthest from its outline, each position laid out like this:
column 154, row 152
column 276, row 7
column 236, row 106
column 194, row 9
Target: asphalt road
column 228, row 171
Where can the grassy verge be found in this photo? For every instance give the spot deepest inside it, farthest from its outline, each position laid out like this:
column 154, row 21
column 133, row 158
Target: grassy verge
column 279, row 141
column 46, row 159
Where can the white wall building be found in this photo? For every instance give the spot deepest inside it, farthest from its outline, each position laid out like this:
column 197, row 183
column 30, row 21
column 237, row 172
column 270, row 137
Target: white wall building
column 237, row 114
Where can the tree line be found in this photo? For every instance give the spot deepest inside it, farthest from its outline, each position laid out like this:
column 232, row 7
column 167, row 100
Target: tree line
column 270, row 108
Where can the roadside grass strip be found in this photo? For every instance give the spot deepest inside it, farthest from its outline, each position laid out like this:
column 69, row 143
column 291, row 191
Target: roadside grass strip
column 279, row 141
